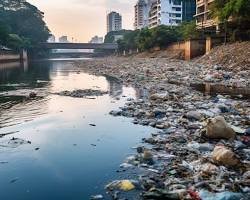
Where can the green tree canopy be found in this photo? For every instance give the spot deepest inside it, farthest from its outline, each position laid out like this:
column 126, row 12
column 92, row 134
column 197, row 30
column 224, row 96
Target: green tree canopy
column 110, row 37
column 25, row 23
column 4, row 33
column 146, row 39
column 234, row 15
column 188, row 30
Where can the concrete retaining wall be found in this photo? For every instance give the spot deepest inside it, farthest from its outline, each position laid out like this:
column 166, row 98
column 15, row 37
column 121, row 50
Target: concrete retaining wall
column 194, row 48
column 191, row 48
column 6, row 56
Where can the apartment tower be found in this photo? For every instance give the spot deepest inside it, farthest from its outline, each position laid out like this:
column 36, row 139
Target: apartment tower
column 142, row 8
column 114, row 22
column 203, row 18
column 165, row 12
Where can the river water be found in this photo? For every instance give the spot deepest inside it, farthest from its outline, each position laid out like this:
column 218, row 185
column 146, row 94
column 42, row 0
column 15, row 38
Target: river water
column 56, row 154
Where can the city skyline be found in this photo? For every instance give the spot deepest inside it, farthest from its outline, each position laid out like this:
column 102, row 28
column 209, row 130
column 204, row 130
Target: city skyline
column 83, row 19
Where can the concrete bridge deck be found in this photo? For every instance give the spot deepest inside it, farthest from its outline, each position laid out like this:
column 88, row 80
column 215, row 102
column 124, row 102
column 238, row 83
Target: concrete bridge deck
column 105, row 46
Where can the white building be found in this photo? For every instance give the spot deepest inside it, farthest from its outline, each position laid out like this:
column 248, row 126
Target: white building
column 165, row 12
column 96, row 39
column 52, row 39
column 63, row 39
column 142, row 9
column 114, row 22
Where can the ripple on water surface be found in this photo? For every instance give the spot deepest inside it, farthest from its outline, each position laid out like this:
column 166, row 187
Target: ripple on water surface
column 59, row 147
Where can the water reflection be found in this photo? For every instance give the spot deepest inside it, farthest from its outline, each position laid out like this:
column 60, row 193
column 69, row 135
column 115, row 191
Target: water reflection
column 65, row 165
column 17, row 81
column 115, row 86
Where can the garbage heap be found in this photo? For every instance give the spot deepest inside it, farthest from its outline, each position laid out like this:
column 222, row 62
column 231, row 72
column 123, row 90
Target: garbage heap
column 201, row 149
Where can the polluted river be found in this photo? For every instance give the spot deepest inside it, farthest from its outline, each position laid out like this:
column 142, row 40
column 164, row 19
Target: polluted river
column 55, row 146
column 66, row 131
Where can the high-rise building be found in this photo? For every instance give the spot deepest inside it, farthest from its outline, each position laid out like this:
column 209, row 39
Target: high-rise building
column 142, row 8
column 165, row 12
column 203, row 18
column 96, row 39
column 63, row 39
column 188, row 10
column 152, row 13
column 114, row 22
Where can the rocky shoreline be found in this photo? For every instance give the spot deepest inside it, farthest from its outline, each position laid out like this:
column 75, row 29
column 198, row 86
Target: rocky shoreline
column 202, row 147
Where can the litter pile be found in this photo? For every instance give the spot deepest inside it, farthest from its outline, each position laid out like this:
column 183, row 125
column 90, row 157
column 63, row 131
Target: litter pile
column 196, row 154
column 202, row 147
column 231, row 57
column 82, row 93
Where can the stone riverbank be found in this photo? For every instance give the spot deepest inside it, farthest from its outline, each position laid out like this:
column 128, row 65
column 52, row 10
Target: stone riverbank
column 201, row 147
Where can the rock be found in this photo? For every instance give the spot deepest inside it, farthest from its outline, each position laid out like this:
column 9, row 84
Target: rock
column 159, row 113
column 217, row 128
column 140, row 149
column 115, row 113
column 246, row 175
column 148, row 157
column 32, row 95
column 224, row 156
column 82, row 93
column 209, row 168
column 223, row 108
column 159, row 96
column 193, row 115
column 160, row 126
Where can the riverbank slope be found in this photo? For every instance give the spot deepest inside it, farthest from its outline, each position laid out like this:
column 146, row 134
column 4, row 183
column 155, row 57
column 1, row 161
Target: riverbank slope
column 184, row 151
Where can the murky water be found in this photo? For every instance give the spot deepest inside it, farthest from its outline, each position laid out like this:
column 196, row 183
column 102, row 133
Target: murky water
column 55, row 153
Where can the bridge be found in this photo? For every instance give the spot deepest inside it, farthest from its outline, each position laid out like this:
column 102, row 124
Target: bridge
column 104, row 46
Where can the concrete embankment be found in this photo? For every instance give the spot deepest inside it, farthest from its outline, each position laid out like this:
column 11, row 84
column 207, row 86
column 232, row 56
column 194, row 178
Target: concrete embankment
column 9, row 56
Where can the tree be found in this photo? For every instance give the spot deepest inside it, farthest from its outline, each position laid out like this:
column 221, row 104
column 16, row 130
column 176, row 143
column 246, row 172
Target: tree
column 15, row 42
column 25, row 23
column 144, row 39
column 235, row 13
column 162, row 35
column 188, row 30
column 4, row 33
column 110, row 37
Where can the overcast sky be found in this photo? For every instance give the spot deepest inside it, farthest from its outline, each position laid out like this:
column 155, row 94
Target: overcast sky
column 83, row 19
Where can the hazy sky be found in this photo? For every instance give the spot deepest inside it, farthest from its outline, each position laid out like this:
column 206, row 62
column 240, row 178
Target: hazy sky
column 82, row 19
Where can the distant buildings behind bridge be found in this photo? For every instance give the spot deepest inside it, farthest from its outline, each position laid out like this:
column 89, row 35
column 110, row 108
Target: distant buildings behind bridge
column 62, row 39
column 96, row 39
column 153, row 13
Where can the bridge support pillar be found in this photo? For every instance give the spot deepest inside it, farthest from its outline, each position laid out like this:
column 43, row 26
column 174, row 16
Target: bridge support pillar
column 23, row 55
